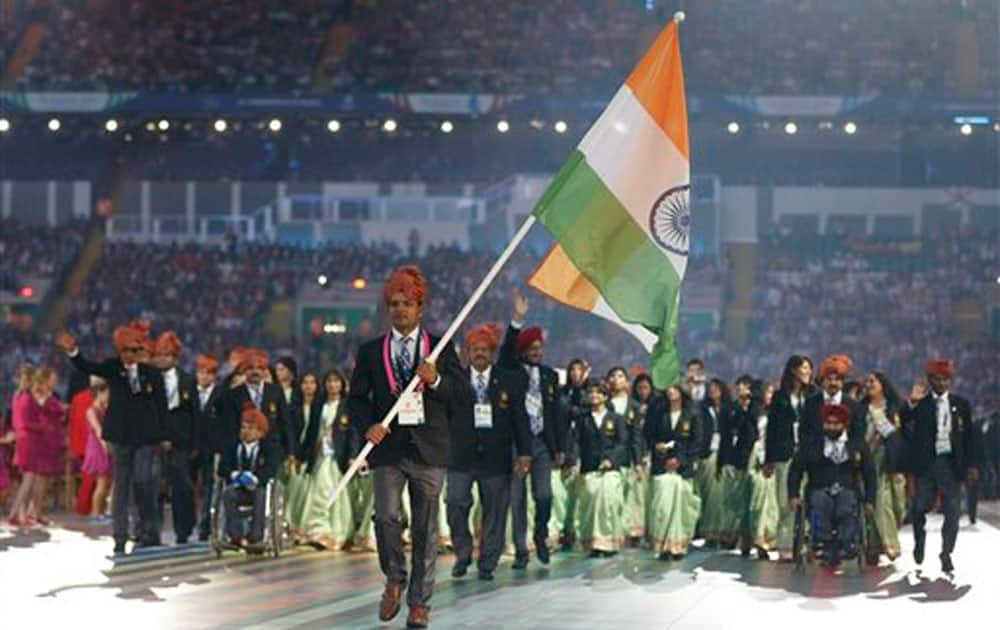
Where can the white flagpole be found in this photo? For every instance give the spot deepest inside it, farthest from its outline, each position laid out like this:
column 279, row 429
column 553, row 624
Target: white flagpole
column 455, row 325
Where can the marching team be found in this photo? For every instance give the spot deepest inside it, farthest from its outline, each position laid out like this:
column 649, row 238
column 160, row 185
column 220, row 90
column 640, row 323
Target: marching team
column 495, row 449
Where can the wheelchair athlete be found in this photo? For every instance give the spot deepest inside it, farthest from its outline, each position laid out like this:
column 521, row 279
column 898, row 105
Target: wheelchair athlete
column 837, row 466
column 248, row 465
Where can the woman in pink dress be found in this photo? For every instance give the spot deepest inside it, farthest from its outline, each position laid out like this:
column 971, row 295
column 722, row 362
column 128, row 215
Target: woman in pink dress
column 47, row 440
column 96, row 458
column 24, row 427
column 7, row 437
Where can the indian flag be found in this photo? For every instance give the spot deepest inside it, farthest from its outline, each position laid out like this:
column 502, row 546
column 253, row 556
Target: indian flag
column 619, row 210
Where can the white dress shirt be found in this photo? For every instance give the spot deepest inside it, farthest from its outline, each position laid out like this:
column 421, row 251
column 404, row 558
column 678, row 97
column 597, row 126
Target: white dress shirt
column 170, row 384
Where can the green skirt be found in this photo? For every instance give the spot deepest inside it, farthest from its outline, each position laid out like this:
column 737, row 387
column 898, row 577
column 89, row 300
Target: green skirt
column 881, row 527
column 362, row 493
column 764, row 511
column 561, row 514
column 636, row 497
column 709, row 489
column 296, row 490
column 674, row 509
column 785, row 537
column 734, row 511
column 899, row 498
column 601, row 506
column 335, row 523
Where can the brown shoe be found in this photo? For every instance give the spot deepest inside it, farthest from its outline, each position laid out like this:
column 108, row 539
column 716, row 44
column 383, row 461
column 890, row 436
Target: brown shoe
column 419, row 617
column 391, row 601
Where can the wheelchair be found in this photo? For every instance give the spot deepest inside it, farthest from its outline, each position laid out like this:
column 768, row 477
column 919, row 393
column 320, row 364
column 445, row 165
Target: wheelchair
column 805, row 550
column 276, row 535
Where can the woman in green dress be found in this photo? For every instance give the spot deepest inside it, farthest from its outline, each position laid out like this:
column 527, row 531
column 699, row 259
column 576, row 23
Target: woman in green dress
column 673, row 435
column 707, row 480
column 603, row 442
column 644, row 394
column 763, row 488
column 636, row 475
column 304, row 415
column 881, row 408
column 332, row 445
column 738, row 432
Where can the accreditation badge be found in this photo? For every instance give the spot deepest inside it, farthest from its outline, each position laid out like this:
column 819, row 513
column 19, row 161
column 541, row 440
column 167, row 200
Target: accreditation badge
column 411, row 410
column 483, row 416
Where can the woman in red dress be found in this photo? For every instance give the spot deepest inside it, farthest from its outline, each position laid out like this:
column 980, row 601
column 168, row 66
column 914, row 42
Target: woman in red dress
column 22, row 425
column 46, row 440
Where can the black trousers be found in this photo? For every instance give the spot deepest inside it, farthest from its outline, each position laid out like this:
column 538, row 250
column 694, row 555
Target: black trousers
column 834, row 517
column 425, row 483
column 541, row 492
column 177, row 467
column 137, row 475
column 494, row 496
column 940, row 477
column 237, row 526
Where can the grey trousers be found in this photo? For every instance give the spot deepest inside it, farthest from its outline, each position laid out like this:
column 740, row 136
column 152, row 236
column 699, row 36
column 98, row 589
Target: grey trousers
column 425, row 483
column 494, row 496
column 541, row 492
column 137, row 473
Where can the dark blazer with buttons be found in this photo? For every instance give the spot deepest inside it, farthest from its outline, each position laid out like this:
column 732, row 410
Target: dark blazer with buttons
column 779, row 439
column 265, row 467
column 346, row 439
column 920, row 436
column 489, row 452
column 609, row 441
column 686, row 436
column 737, row 433
column 209, row 429
column 132, row 419
column 182, row 421
column 811, row 425
column 371, row 399
column 553, row 407
column 272, row 405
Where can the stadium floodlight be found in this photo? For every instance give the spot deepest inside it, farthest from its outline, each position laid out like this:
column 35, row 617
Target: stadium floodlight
column 163, row 125
column 220, row 126
column 359, row 284
column 966, row 129
column 560, row 126
column 333, row 126
column 447, row 126
column 791, row 128
column 733, row 127
column 54, row 125
column 4, row 125
column 503, row 126
column 111, row 125
column 996, row 127
column 389, row 125
column 322, row 280
column 274, row 125
column 850, row 128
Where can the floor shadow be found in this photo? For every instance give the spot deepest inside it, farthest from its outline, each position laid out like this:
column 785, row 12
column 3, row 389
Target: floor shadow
column 24, row 539
column 922, row 589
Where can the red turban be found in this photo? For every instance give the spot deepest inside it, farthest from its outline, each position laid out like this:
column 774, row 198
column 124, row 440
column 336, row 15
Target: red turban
column 527, row 337
column 406, row 280
column 207, row 362
column 940, row 367
column 168, row 343
column 835, row 364
column 130, row 335
column 840, row 413
column 488, row 334
column 254, row 416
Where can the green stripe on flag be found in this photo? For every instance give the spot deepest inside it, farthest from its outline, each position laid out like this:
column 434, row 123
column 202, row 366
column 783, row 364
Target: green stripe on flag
column 616, row 255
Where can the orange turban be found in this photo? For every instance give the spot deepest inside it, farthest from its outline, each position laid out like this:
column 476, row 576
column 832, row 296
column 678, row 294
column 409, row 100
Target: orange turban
column 253, row 356
column 835, row 364
column 254, row 416
column 940, row 367
column 168, row 343
column 131, row 334
column 488, row 334
column 406, row 280
column 207, row 362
